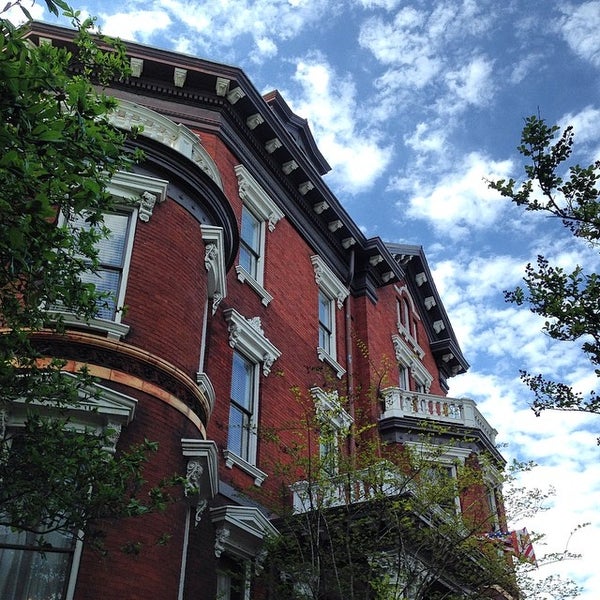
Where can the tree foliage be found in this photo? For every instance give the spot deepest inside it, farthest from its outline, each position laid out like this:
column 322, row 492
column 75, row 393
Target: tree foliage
column 392, row 521
column 380, row 523
column 58, row 150
column 568, row 300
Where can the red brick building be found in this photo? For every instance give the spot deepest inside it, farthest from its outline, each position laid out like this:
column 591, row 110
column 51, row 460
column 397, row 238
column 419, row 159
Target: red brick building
column 244, row 278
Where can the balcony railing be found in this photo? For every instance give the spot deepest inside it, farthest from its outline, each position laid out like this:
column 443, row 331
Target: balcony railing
column 453, row 411
column 367, row 484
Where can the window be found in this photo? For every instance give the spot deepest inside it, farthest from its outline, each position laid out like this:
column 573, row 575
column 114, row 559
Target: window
column 259, row 215
column 233, row 579
column 28, row 574
column 410, row 364
column 326, row 324
column 443, row 486
column 492, row 500
column 25, row 572
column 242, row 410
column 331, row 295
column 252, row 351
column 333, row 423
column 403, row 377
column 251, row 244
column 115, row 252
column 113, row 255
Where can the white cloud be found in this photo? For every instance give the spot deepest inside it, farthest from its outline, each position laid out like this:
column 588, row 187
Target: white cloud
column 471, row 84
column 579, row 27
column 461, row 200
column 350, row 145
column 219, row 25
column 137, row 25
column 386, row 4
column 15, row 14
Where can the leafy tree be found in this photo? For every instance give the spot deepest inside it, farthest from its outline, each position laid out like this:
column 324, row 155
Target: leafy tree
column 58, row 150
column 569, row 300
column 381, row 523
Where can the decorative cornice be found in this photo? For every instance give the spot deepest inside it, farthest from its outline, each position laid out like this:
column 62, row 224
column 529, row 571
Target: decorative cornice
column 202, row 479
column 240, row 530
column 328, row 282
column 162, row 129
column 410, row 356
column 248, row 336
column 214, row 262
column 256, row 198
column 144, row 190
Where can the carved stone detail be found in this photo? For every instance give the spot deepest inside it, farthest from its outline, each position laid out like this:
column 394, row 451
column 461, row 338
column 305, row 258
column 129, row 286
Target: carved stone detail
column 221, row 537
column 248, row 334
column 147, row 202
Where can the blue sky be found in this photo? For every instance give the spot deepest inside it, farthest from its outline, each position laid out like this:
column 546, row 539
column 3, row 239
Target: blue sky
column 414, row 103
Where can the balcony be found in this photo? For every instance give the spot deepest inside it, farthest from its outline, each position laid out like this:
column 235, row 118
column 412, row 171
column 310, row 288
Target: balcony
column 401, row 404
column 381, row 479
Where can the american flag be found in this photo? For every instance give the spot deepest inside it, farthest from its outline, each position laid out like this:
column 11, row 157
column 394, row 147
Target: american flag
column 516, row 542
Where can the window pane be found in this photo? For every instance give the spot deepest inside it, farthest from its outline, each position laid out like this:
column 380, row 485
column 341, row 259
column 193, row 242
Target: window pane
column 325, row 311
column 111, row 255
column 250, row 230
column 241, row 407
column 236, row 429
column 248, row 261
column 404, row 380
column 105, row 281
column 26, row 574
column 242, row 382
column 111, row 250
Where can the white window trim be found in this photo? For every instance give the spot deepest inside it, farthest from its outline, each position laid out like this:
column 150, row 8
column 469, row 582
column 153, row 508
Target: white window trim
column 245, row 277
column 248, row 337
column 241, row 530
column 406, row 356
column 337, row 292
column 406, row 331
column 448, row 456
column 328, row 406
column 257, row 201
column 334, row 419
column 232, row 458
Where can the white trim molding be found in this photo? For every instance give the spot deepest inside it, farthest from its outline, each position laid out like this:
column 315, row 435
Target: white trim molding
column 231, row 458
column 256, row 198
column 145, row 191
column 214, row 262
column 174, row 135
column 410, row 358
column 328, row 282
column 247, row 335
column 202, row 473
column 240, row 530
column 329, row 407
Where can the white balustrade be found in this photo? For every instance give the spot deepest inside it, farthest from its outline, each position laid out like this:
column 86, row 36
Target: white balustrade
column 457, row 411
